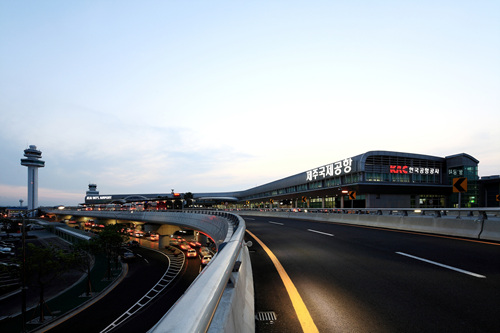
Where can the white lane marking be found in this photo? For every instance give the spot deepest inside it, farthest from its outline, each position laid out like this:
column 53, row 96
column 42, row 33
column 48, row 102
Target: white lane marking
column 442, row 265
column 278, row 223
column 320, row 232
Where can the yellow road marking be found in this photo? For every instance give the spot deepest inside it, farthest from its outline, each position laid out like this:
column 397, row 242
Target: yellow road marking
column 303, row 314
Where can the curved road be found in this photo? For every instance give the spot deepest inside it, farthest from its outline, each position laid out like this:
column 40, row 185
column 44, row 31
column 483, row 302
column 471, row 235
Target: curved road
column 143, row 273
column 358, row 279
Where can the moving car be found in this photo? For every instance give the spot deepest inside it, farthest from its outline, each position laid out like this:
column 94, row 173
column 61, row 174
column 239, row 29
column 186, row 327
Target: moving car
column 128, row 255
column 184, row 246
column 206, row 259
column 194, row 244
column 205, row 251
column 191, row 253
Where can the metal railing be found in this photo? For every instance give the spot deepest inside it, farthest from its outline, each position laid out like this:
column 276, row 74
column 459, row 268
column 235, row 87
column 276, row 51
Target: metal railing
column 476, row 212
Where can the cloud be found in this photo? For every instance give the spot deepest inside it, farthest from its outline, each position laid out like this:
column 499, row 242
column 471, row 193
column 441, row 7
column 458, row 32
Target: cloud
column 46, row 196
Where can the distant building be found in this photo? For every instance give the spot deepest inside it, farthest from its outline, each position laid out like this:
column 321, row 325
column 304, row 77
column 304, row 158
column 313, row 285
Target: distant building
column 12, row 211
column 489, row 190
column 375, row 179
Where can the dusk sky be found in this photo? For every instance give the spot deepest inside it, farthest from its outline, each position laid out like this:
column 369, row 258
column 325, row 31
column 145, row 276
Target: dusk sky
column 214, row 96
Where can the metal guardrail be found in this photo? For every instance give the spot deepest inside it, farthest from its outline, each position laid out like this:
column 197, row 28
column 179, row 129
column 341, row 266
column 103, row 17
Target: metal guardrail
column 476, row 212
column 196, row 308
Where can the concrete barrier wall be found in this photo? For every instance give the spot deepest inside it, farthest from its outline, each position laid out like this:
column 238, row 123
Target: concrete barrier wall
column 491, row 230
column 235, row 312
column 470, row 227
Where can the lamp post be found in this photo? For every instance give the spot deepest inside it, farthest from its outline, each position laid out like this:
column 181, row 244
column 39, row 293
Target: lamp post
column 23, row 268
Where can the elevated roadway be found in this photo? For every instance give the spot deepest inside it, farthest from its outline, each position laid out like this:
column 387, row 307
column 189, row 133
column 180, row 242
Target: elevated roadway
column 364, row 279
column 220, row 299
column 353, row 273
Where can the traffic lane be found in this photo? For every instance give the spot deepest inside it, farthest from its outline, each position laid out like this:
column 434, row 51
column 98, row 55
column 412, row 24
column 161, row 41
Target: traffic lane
column 471, row 255
column 355, row 281
column 143, row 273
column 330, row 312
column 270, row 295
column 146, row 318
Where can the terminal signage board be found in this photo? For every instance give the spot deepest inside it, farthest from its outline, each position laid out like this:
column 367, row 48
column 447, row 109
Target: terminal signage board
column 98, row 197
column 405, row 169
column 330, row 170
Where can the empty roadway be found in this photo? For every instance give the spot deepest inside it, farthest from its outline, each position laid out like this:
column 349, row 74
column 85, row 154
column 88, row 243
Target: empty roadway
column 359, row 279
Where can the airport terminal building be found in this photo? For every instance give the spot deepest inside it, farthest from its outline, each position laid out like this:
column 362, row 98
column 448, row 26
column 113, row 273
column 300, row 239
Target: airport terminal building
column 375, row 179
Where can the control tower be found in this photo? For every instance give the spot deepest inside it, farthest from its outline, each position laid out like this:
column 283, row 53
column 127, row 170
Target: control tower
column 33, row 162
column 92, row 190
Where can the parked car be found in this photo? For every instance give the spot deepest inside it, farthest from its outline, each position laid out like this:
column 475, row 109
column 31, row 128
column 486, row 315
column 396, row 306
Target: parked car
column 6, row 251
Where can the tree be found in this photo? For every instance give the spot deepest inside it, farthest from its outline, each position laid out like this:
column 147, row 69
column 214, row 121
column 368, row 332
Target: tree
column 188, row 196
column 10, row 226
column 110, row 239
column 44, row 265
column 82, row 258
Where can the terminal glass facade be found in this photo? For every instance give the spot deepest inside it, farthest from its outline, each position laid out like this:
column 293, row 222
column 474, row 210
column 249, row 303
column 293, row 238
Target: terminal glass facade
column 470, row 197
column 400, row 169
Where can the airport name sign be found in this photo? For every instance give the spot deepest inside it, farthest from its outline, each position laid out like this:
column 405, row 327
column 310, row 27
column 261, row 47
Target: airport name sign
column 330, row 170
column 98, row 197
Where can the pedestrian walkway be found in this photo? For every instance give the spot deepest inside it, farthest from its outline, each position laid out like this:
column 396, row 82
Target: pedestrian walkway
column 66, row 295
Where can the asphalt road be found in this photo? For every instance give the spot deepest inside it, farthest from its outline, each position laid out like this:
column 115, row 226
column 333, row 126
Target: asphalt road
column 144, row 272
column 358, row 279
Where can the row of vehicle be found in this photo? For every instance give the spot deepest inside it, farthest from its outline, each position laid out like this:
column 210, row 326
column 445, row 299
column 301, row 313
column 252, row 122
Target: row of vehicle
column 189, row 247
column 205, row 259
column 141, row 234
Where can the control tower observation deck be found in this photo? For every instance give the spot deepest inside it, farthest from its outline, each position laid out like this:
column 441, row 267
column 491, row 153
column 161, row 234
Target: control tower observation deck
column 33, row 162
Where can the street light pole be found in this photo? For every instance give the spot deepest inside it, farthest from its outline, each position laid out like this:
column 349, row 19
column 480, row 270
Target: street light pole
column 23, row 274
column 23, row 269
